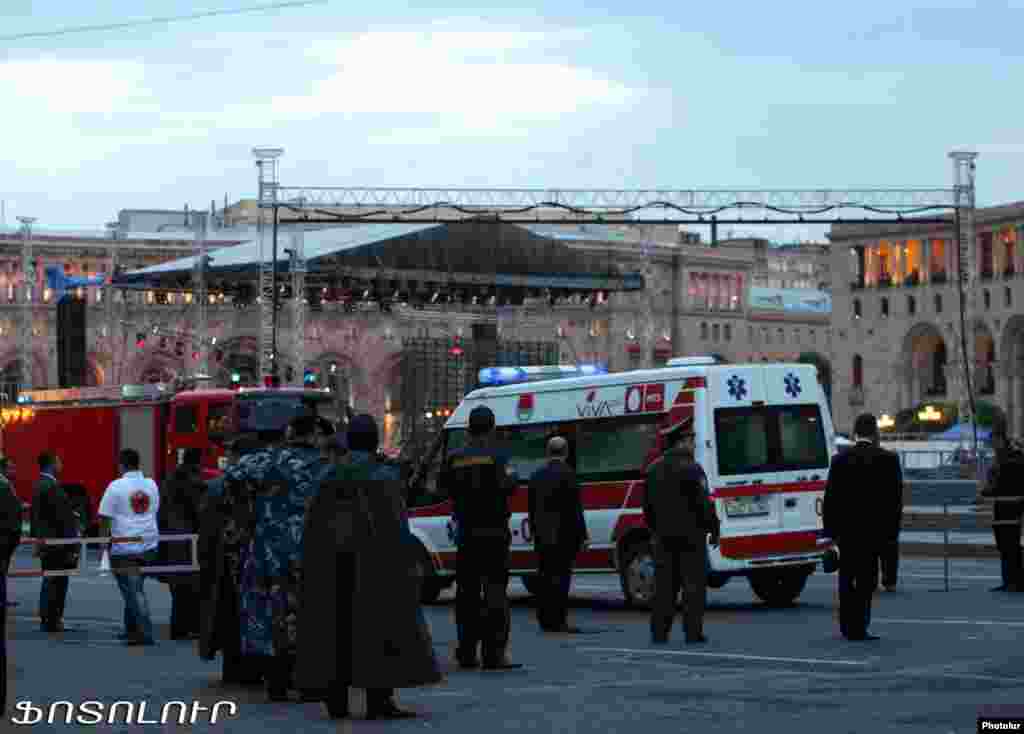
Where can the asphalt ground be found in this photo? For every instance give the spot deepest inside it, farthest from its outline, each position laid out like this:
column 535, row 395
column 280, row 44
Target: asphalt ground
column 942, row 657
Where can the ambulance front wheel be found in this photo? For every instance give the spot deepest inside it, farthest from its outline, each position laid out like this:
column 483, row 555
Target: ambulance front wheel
column 779, row 588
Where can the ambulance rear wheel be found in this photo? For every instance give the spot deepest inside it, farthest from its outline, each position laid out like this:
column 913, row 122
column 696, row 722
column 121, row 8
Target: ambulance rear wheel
column 779, row 588
column 431, row 585
column 636, row 573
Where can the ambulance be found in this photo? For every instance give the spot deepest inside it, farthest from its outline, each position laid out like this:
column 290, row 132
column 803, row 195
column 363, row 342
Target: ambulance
column 764, row 436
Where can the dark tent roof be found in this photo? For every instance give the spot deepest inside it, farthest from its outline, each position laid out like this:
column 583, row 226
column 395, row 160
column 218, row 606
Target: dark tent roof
column 498, row 253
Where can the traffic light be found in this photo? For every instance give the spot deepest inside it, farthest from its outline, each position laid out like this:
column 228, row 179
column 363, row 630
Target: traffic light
column 456, row 348
column 140, row 340
column 310, row 378
column 236, row 378
column 289, row 374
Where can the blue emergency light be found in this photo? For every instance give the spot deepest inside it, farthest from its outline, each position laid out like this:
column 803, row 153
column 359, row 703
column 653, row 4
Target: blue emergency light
column 494, row 376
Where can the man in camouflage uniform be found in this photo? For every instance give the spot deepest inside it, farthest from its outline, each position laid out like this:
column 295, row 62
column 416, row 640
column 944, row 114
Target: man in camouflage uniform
column 276, row 486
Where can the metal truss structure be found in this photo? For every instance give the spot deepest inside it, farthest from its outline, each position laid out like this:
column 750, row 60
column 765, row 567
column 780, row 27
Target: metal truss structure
column 267, row 163
column 299, row 304
column 918, row 206
column 201, row 296
column 27, row 306
column 967, row 284
column 611, row 206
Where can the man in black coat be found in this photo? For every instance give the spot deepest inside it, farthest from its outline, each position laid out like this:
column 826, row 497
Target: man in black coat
column 1005, row 486
column 53, row 516
column 180, row 499
column 861, row 513
column 559, row 532
column 10, row 536
column 680, row 515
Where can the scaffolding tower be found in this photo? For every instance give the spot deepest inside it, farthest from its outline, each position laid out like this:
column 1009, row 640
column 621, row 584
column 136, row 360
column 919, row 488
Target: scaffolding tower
column 25, row 325
column 267, row 164
column 967, row 286
column 201, row 343
column 299, row 303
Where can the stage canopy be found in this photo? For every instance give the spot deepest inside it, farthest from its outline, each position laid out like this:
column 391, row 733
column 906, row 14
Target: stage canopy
column 467, row 253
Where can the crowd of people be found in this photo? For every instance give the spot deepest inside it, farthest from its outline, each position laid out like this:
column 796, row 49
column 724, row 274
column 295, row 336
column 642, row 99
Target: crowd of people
column 309, row 574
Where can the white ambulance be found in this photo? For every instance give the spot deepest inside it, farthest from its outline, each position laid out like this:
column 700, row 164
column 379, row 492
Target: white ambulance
column 764, row 437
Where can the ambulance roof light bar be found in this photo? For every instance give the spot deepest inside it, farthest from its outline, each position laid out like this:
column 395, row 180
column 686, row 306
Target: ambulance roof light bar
column 691, row 361
column 495, row 376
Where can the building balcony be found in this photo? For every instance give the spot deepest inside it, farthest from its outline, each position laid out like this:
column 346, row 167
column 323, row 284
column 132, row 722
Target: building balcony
column 857, row 395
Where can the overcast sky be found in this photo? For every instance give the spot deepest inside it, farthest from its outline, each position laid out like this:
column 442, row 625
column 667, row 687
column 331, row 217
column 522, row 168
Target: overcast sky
column 629, row 95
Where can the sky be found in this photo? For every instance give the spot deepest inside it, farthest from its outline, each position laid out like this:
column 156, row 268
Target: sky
column 575, row 94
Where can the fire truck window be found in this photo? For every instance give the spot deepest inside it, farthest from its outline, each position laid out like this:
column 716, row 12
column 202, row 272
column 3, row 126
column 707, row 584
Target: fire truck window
column 186, row 419
column 218, row 420
column 611, row 450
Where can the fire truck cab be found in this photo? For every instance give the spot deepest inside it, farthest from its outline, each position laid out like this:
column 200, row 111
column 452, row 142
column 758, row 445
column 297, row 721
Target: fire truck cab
column 764, row 438
column 88, row 427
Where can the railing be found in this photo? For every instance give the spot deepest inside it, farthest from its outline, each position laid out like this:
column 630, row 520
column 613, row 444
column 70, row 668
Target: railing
column 940, row 464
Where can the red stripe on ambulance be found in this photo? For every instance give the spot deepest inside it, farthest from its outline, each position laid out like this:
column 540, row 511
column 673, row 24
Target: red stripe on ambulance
column 773, row 544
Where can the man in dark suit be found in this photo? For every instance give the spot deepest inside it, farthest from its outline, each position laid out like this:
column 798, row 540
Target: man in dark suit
column 1004, row 487
column 861, row 513
column 53, row 516
column 559, row 533
column 10, row 536
column 680, row 514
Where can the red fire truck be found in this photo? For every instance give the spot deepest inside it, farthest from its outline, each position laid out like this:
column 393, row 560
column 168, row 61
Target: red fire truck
column 88, row 427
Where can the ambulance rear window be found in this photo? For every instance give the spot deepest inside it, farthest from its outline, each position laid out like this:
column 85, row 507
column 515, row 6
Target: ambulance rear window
column 757, row 440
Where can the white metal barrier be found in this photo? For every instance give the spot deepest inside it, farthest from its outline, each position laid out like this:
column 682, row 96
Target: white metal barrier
column 82, row 568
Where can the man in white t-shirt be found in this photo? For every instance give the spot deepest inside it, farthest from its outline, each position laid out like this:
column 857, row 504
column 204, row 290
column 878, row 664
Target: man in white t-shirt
column 129, row 509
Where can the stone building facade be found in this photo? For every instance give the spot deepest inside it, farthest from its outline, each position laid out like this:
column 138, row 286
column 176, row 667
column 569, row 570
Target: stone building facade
column 697, row 300
column 896, row 305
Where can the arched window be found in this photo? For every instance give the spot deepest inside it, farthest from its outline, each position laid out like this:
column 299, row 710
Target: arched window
column 1008, row 296
column 858, row 371
column 988, row 300
column 856, row 308
column 727, row 330
column 704, row 331
column 714, row 332
column 885, row 307
column 938, row 303
column 911, row 305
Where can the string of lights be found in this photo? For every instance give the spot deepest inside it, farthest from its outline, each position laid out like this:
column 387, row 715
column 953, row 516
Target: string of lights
column 101, row 27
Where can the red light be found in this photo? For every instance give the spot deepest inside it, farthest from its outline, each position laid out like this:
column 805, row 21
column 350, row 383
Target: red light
column 195, row 356
column 268, row 381
column 455, row 351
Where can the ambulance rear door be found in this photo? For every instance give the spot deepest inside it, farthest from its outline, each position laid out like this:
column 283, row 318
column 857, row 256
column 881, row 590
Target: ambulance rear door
column 804, row 434
column 739, row 451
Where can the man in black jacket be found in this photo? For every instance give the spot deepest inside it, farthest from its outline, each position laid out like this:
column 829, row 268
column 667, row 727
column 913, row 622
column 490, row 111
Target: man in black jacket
column 10, row 536
column 861, row 513
column 559, row 533
column 680, row 514
column 1005, row 486
column 180, row 499
column 53, row 516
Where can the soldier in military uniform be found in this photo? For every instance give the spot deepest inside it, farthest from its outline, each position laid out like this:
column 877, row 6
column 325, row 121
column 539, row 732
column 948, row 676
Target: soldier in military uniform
column 1005, row 487
column 680, row 514
column 277, row 485
column 481, row 482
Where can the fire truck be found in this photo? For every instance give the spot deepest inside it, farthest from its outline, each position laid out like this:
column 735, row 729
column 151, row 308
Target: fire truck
column 764, row 437
column 88, row 427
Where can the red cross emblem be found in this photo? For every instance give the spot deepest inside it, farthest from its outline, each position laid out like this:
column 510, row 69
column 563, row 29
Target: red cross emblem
column 140, row 503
